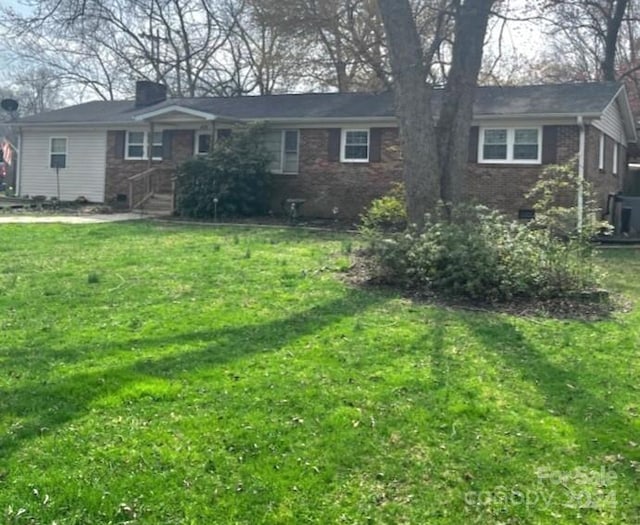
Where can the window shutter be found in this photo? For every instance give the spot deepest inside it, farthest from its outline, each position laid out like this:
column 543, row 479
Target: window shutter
column 119, row 144
column 191, row 144
column 375, row 145
column 474, row 137
column 549, row 144
column 167, row 144
column 605, row 160
column 334, row 144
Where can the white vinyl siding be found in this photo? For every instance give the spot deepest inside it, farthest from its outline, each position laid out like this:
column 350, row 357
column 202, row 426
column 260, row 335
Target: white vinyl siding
column 84, row 174
column 510, row 145
column 611, row 123
column 284, row 148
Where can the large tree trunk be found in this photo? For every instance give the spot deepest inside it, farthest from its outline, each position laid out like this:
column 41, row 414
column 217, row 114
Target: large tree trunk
column 434, row 164
column 413, row 108
column 457, row 109
column 614, row 23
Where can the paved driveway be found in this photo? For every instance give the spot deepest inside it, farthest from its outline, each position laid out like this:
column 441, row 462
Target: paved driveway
column 71, row 219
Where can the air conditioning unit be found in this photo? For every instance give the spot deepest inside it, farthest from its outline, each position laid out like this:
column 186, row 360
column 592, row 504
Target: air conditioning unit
column 625, row 214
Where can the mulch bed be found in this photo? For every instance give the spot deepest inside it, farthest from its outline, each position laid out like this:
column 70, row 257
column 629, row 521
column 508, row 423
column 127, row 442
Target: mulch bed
column 592, row 306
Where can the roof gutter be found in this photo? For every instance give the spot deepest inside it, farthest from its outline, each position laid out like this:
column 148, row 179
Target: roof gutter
column 511, row 116
column 319, row 120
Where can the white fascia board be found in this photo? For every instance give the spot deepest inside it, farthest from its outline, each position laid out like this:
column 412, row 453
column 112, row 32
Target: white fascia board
column 314, row 122
column 531, row 117
column 76, row 124
column 326, row 123
column 178, row 109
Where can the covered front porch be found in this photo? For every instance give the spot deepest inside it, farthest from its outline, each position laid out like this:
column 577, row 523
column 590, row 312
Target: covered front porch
column 150, row 155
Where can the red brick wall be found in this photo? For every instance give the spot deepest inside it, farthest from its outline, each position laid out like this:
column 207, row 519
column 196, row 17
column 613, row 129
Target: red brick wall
column 349, row 187
column 119, row 170
column 503, row 186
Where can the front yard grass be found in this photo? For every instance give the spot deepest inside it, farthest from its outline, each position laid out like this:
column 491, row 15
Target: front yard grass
column 182, row 375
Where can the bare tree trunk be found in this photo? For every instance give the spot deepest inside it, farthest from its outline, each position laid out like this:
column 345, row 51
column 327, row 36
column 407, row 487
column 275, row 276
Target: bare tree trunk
column 434, row 163
column 413, row 108
column 457, row 110
column 614, row 23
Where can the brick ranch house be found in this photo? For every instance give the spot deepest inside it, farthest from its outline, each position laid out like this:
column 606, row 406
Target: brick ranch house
column 331, row 150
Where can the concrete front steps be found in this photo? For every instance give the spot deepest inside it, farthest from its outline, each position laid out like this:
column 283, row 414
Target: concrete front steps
column 158, row 204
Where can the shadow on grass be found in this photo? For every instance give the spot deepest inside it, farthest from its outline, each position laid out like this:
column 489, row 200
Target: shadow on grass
column 42, row 407
column 567, row 393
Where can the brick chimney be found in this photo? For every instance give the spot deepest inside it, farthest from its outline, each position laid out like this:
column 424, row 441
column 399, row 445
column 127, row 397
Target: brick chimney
column 149, row 93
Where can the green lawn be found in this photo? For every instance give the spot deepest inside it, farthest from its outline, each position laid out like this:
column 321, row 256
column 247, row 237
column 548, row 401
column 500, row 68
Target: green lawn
column 182, row 375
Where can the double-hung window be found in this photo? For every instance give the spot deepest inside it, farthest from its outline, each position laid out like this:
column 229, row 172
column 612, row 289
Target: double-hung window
column 511, row 145
column 203, row 140
column 203, row 143
column 355, row 145
column 156, row 145
column 58, row 152
column 290, row 151
column 138, row 143
column 284, row 147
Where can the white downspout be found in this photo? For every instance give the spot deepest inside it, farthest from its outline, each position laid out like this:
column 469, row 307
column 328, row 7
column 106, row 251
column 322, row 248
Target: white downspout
column 581, row 163
column 17, row 191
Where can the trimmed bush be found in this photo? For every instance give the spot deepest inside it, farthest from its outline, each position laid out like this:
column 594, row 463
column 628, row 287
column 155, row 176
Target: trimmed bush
column 231, row 181
column 476, row 253
column 388, row 213
column 555, row 195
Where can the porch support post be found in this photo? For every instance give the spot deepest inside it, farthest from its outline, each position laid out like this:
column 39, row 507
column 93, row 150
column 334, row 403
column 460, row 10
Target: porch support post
column 150, row 144
column 213, row 136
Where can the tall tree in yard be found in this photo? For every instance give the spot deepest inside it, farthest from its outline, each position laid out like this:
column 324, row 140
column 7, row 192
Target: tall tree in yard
column 435, row 146
column 590, row 29
column 592, row 40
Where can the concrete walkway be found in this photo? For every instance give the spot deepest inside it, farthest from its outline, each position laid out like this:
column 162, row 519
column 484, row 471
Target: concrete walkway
column 71, row 219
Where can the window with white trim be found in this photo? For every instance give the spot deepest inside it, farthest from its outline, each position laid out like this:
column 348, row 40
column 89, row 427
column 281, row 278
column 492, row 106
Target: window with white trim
column 615, row 158
column 58, row 152
column 290, row 138
column 601, row 152
column 203, row 140
column 203, row 143
column 284, row 147
column 137, row 144
column 510, row 145
column 135, row 147
column 355, row 145
column 156, row 145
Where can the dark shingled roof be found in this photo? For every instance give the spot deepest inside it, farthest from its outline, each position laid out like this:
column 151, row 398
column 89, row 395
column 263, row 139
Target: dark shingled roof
column 569, row 99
